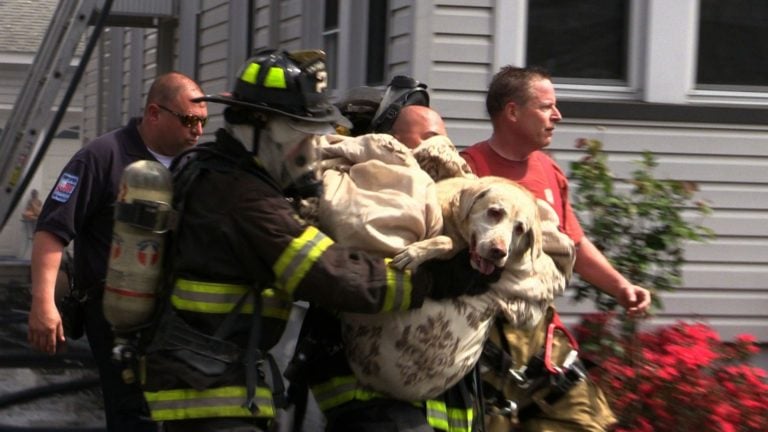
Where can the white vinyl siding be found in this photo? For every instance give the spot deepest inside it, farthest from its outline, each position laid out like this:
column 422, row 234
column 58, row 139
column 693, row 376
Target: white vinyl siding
column 456, row 46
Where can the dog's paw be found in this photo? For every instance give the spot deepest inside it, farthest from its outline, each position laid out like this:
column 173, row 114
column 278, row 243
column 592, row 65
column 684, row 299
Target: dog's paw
column 406, row 260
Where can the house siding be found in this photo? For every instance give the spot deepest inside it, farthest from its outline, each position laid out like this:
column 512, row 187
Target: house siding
column 455, row 47
column 725, row 279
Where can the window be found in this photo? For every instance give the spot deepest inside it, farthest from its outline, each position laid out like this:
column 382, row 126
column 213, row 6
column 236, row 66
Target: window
column 579, row 41
column 733, row 44
column 331, row 40
column 355, row 42
column 378, row 10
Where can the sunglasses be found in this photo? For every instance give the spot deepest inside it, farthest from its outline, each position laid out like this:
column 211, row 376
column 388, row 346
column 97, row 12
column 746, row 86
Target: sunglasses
column 187, row 120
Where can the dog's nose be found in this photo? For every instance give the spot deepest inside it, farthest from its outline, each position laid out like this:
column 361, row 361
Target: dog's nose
column 497, row 253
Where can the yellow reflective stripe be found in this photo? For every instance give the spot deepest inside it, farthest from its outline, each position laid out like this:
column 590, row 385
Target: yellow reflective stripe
column 250, row 73
column 399, row 289
column 208, row 297
column 341, row 390
column 178, row 404
column 441, row 417
column 275, row 78
column 299, row 256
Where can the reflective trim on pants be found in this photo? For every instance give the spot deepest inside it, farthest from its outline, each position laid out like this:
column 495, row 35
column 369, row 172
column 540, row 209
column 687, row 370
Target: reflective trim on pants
column 179, row 404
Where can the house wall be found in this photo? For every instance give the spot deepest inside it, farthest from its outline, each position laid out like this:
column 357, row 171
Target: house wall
column 725, row 280
column 455, row 47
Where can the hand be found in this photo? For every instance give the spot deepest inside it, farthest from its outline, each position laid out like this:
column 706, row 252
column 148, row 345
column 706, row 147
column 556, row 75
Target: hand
column 45, row 329
column 456, row 277
column 635, row 299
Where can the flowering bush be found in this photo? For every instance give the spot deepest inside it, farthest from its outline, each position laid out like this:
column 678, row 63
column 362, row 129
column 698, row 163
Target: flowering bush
column 676, row 378
column 637, row 223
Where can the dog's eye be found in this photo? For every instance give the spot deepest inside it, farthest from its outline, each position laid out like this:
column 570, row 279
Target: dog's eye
column 519, row 229
column 495, row 214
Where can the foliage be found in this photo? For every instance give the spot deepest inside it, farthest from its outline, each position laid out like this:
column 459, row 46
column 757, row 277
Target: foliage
column 642, row 232
column 679, row 377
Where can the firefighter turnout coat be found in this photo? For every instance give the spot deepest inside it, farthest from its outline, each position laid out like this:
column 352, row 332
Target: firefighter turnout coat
column 241, row 251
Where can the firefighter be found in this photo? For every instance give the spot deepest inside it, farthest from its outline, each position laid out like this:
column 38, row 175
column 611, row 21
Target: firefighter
column 348, row 405
column 241, row 254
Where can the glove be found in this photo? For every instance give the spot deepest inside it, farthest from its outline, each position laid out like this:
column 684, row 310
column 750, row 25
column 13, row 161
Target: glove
column 455, row 277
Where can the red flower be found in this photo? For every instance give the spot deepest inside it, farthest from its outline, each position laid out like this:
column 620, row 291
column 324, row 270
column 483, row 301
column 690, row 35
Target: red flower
column 679, row 377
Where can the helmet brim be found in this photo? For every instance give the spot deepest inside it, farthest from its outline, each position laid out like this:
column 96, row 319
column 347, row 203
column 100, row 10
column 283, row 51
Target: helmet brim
column 332, row 114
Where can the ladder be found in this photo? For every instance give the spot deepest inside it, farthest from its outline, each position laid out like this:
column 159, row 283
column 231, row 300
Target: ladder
column 32, row 124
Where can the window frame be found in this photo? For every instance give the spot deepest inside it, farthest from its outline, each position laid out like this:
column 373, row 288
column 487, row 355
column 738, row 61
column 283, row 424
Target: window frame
column 659, row 31
column 352, row 23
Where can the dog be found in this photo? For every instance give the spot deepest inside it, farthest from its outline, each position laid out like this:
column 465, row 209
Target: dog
column 501, row 223
column 494, row 216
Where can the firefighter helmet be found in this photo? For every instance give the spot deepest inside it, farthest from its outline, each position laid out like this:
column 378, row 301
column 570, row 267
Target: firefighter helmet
column 293, row 84
column 358, row 105
column 401, row 91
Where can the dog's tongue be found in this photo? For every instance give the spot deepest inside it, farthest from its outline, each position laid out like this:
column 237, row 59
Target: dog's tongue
column 481, row 264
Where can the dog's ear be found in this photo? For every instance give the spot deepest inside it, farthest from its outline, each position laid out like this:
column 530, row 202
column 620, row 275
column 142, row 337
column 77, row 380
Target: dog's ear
column 535, row 239
column 467, row 199
column 533, row 242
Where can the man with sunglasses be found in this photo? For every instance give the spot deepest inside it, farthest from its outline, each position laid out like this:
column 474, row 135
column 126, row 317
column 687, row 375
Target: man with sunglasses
column 80, row 209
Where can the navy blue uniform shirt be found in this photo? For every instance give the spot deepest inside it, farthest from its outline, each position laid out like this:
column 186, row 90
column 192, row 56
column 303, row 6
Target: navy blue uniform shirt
column 80, row 206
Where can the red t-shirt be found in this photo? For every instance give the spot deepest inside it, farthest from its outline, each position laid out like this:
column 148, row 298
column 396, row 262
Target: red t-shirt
column 539, row 174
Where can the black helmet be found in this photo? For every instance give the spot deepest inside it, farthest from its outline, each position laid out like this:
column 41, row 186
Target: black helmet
column 358, row 105
column 401, row 91
column 288, row 83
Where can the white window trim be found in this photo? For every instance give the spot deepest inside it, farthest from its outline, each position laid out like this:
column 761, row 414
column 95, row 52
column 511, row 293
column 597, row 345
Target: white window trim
column 663, row 47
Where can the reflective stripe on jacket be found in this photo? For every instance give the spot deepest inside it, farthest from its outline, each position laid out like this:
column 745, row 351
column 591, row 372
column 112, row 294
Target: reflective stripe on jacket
column 299, row 256
column 305, row 250
column 210, row 300
column 181, row 404
column 218, row 298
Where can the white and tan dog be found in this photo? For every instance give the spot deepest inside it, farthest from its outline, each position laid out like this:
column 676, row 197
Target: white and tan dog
column 504, row 226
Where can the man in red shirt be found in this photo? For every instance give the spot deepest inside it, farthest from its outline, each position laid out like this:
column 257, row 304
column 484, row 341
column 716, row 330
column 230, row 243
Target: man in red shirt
column 523, row 109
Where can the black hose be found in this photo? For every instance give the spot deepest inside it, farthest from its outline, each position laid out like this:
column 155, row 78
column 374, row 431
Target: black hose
column 45, row 390
column 36, row 392
column 32, row 359
column 13, row 317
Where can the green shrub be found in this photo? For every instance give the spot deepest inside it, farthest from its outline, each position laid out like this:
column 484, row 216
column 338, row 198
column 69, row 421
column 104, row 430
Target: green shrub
column 642, row 232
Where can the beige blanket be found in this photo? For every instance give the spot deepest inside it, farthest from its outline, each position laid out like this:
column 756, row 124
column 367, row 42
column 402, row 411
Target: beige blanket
column 376, row 197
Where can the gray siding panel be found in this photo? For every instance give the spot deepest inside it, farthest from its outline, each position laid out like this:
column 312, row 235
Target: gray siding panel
column 462, row 21
column 721, row 276
column 465, row 77
column 724, row 280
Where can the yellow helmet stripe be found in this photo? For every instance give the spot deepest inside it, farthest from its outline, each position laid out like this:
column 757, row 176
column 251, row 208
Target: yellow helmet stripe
column 250, row 73
column 275, row 78
column 299, row 256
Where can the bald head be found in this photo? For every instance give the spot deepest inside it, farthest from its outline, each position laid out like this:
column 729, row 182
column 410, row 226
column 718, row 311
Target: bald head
column 416, row 123
column 172, row 121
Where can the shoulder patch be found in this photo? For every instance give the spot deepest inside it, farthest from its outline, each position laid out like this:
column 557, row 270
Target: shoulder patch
column 65, row 187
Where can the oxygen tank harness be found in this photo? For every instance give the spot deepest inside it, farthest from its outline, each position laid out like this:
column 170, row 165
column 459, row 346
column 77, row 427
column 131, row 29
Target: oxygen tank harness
column 143, row 216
